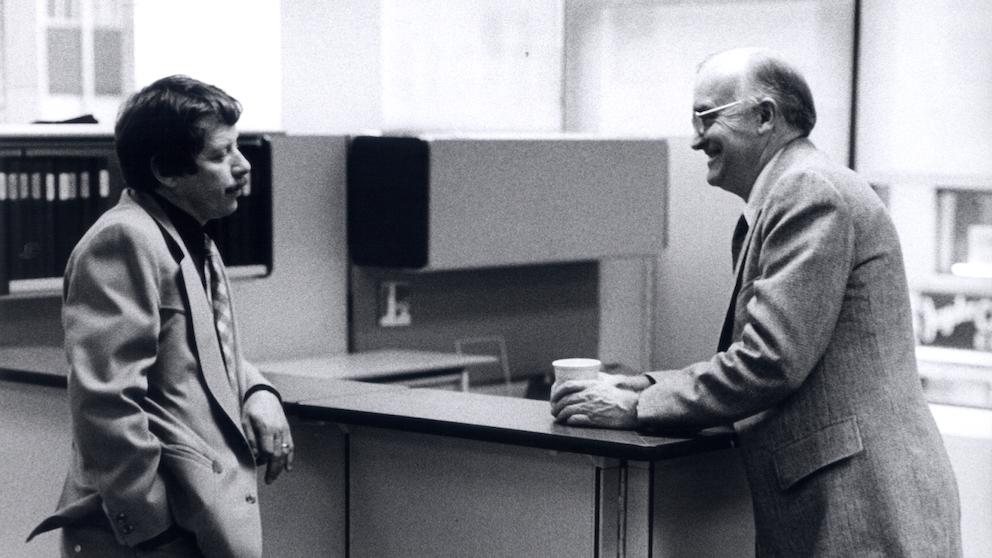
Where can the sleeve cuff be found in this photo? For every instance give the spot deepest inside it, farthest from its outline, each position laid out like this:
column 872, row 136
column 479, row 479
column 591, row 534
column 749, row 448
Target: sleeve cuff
column 262, row 387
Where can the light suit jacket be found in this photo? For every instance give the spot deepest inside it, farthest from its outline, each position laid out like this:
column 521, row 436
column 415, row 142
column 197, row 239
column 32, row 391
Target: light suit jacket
column 841, row 451
column 156, row 422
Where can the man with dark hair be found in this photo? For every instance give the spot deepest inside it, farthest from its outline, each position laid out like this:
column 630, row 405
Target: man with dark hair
column 816, row 363
column 169, row 421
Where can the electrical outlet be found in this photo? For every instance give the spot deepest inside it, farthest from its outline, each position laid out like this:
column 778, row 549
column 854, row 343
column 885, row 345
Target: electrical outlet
column 394, row 304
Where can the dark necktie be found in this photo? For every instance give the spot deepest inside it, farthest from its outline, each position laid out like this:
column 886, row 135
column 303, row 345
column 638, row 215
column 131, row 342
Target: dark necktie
column 740, row 233
column 220, row 301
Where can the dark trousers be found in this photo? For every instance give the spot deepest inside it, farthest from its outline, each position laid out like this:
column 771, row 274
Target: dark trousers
column 100, row 542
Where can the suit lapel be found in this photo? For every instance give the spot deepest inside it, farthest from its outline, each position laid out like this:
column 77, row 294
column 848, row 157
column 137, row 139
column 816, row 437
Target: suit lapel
column 798, row 149
column 202, row 318
column 207, row 345
column 727, row 332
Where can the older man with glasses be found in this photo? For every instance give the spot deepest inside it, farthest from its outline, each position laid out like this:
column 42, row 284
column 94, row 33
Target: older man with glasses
column 815, row 366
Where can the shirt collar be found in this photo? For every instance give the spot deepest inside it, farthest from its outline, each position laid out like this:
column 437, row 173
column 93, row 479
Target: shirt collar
column 189, row 229
column 760, row 190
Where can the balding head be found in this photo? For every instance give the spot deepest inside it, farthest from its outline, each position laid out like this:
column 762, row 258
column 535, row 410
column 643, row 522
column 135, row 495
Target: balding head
column 747, row 105
column 764, row 72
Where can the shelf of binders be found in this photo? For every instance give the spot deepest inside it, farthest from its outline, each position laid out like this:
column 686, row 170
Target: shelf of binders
column 52, row 191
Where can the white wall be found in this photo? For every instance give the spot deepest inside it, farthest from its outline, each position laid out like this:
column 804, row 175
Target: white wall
column 925, row 93
column 300, row 309
column 331, row 70
column 632, row 65
column 233, row 44
column 485, row 65
column 34, row 442
column 695, row 274
column 925, row 111
column 968, row 437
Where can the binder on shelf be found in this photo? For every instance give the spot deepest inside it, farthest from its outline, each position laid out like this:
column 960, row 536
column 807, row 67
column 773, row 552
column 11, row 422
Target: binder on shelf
column 4, row 220
column 63, row 210
column 107, row 198
column 52, row 226
column 52, row 190
column 89, row 194
column 32, row 248
column 15, row 222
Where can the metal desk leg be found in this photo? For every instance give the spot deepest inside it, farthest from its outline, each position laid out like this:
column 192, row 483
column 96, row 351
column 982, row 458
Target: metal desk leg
column 625, row 496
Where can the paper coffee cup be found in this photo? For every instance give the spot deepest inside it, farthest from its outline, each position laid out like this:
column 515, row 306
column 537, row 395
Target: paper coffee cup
column 576, row 369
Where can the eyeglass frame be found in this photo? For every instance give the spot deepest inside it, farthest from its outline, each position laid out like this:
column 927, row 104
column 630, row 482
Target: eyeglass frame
column 697, row 115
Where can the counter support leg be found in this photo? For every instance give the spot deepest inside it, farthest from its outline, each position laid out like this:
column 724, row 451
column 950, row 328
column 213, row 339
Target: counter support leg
column 637, row 510
column 624, row 526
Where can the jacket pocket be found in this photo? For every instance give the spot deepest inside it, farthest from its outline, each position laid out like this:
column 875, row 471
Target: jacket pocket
column 797, row 460
column 193, row 489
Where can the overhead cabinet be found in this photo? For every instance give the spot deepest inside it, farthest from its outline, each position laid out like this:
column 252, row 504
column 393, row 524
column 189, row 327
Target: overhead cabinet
column 447, row 202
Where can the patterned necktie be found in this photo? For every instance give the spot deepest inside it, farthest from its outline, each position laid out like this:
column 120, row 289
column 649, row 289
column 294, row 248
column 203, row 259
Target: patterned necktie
column 220, row 301
column 740, row 233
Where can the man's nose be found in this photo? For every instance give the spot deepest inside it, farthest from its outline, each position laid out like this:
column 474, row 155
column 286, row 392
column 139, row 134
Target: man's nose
column 242, row 164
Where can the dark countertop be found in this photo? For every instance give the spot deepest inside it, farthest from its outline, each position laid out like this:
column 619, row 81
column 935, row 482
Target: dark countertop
column 297, row 389
column 473, row 416
column 34, row 365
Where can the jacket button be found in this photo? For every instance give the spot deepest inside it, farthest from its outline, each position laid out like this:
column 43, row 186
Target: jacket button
column 127, row 529
column 250, row 499
column 217, row 467
column 121, row 517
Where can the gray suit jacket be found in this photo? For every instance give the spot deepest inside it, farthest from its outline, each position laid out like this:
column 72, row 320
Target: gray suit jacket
column 157, row 425
column 841, row 451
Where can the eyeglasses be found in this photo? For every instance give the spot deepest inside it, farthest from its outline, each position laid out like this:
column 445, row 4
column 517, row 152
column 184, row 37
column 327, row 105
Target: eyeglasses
column 701, row 125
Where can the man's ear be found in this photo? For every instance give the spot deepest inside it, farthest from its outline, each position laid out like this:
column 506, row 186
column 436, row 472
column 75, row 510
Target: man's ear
column 768, row 114
column 166, row 181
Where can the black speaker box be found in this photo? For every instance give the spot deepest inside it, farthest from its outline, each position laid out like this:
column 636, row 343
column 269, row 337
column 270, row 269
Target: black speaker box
column 388, row 197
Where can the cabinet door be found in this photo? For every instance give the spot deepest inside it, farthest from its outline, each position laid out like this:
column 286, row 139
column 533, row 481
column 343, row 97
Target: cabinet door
column 455, row 203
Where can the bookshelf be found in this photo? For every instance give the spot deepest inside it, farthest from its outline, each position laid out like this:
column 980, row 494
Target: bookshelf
column 55, row 182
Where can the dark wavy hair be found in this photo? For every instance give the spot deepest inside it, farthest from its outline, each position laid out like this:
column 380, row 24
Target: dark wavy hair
column 166, row 122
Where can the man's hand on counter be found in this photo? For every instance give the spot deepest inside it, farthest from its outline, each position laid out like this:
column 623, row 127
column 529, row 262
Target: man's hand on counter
column 607, row 402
